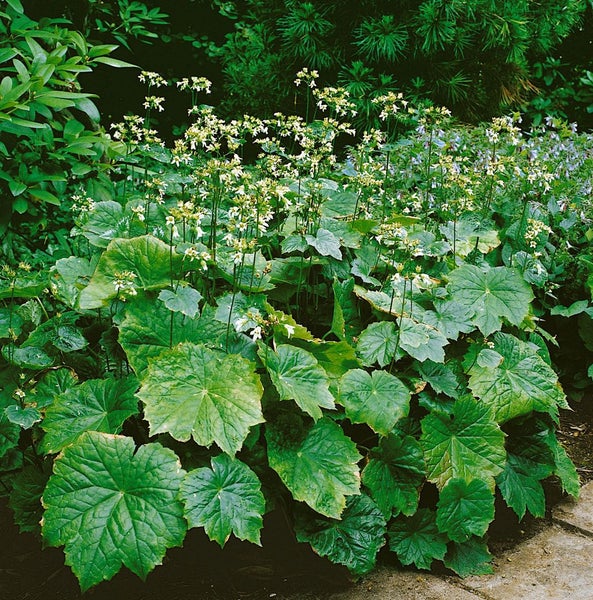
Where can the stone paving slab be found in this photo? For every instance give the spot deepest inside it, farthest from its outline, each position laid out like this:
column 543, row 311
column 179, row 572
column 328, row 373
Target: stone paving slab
column 388, row 584
column 553, row 565
column 577, row 513
column 556, row 564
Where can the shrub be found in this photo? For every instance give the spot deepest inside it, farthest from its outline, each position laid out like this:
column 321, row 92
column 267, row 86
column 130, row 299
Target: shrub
column 479, row 59
column 51, row 136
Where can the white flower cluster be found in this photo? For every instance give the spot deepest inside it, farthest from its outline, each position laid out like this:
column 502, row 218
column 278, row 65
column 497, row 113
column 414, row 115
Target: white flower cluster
column 152, row 79
column 155, row 102
column 307, row 77
column 533, row 233
column 201, row 256
column 336, row 99
column 391, row 104
column 132, row 131
column 195, row 84
column 82, row 204
column 124, row 283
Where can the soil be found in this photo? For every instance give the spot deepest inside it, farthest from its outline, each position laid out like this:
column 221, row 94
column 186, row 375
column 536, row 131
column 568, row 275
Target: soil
column 281, row 569
column 576, row 435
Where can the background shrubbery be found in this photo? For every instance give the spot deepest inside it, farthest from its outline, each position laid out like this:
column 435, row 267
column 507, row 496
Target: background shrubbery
column 480, row 59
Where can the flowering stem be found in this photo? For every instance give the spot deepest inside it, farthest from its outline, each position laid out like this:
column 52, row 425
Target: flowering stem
column 255, row 247
column 171, row 257
column 522, row 221
column 228, row 323
column 399, row 331
column 385, row 183
column 11, row 346
column 427, row 175
column 491, row 182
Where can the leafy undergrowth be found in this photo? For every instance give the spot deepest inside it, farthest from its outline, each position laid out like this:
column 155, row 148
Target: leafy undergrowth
column 365, row 344
column 281, row 566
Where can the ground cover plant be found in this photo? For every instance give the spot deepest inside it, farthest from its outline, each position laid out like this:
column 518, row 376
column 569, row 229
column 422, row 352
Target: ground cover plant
column 248, row 320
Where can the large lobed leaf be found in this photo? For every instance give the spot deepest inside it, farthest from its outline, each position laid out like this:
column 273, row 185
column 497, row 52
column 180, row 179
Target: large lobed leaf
column 95, row 405
column 378, row 343
column 534, row 454
column 520, row 489
column 224, row 499
column 378, row 399
column 345, row 320
column 465, row 509
column 469, row 558
column 297, row 376
column 25, row 496
column 51, row 385
column 113, row 506
column 450, row 317
column 151, row 261
column 466, row 444
column 193, row 392
column 491, row 294
column 518, row 382
column 421, row 341
column 184, row 300
column 354, row 540
column 320, row 468
column 149, row 328
column 9, row 431
column 416, row 539
column 394, row 474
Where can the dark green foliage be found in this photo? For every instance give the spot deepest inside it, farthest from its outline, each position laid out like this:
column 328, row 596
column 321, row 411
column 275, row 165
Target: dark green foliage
column 477, row 58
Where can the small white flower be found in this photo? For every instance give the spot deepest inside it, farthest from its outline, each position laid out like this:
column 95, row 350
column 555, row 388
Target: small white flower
column 289, row 329
column 240, row 323
column 152, row 78
column 154, row 102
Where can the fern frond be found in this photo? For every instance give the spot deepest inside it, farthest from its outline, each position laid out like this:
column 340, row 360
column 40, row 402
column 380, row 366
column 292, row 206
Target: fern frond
column 381, row 39
column 435, row 26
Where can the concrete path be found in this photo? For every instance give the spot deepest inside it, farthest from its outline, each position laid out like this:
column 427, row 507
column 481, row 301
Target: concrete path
column 555, row 564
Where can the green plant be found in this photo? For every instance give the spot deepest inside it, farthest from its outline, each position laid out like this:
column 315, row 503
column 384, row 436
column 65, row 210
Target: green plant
column 567, row 92
column 125, row 20
column 51, row 137
column 360, row 342
column 478, row 58
column 122, row 21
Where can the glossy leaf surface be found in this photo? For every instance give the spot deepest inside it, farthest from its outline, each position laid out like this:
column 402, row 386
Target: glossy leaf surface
column 467, row 444
column 492, row 295
column 319, row 469
column 95, row 405
column 297, row 376
column 111, row 505
column 353, row 541
column 193, row 392
column 224, row 499
column 378, row 399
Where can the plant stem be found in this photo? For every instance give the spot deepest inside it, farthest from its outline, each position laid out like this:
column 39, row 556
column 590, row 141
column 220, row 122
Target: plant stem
column 399, row 331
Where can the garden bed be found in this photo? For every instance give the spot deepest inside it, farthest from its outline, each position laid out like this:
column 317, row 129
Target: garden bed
column 358, row 335
column 282, row 568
